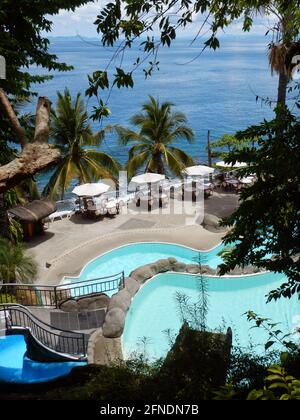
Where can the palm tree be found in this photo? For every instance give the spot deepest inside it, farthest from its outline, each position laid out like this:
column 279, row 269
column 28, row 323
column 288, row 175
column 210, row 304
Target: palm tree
column 285, row 46
column 153, row 147
column 72, row 133
column 15, row 266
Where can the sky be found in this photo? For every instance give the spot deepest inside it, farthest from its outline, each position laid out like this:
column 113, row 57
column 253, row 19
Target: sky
column 81, row 21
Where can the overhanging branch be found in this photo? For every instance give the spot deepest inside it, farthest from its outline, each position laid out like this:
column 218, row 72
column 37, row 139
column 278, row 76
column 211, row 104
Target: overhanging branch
column 35, row 156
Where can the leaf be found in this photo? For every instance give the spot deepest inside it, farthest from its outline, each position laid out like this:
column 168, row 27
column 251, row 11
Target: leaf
column 278, row 385
column 269, row 344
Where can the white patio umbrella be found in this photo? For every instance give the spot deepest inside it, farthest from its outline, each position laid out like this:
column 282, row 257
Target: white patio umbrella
column 236, row 165
column 148, row 178
column 91, row 190
column 199, row 170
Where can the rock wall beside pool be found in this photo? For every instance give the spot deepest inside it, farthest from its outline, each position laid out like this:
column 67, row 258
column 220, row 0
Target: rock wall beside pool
column 119, row 304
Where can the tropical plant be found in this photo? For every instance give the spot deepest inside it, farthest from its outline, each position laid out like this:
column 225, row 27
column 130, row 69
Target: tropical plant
column 22, row 51
column 275, row 334
column 228, row 143
column 155, row 24
column 267, row 220
column 23, row 43
column 279, row 386
column 15, row 231
column 195, row 313
column 73, row 135
column 15, row 265
column 154, row 149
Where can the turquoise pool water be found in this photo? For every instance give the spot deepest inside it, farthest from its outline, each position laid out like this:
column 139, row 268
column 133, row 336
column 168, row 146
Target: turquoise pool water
column 130, row 257
column 155, row 310
column 16, row 368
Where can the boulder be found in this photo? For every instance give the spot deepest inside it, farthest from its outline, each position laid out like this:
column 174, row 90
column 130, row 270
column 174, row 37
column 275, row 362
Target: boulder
column 114, row 323
column 206, row 269
column 98, row 302
column 192, row 269
column 179, row 267
column 172, row 260
column 84, row 303
column 237, row 271
column 132, row 286
column 143, row 274
column 69, row 306
column 161, row 266
column 212, row 222
column 121, row 300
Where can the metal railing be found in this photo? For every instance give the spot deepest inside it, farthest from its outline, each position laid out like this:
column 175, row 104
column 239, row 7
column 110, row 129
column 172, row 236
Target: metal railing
column 53, row 296
column 68, row 343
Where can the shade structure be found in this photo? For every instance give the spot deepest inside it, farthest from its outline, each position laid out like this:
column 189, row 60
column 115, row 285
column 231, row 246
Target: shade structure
column 34, row 211
column 199, row 170
column 91, row 190
column 236, row 165
column 148, row 178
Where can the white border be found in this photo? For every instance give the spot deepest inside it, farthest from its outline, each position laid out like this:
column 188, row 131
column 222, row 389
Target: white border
column 63, row 281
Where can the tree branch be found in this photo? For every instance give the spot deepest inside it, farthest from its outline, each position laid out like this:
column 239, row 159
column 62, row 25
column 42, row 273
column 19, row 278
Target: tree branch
column 35, row 156
column 20, row 133
column 41, row 134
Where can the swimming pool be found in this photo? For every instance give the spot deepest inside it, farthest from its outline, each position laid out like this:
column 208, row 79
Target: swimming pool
column 154, row 309
column 129, row 257
column 16, row 368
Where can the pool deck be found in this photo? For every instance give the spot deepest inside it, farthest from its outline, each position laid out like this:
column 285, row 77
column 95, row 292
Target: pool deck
column 70, row 244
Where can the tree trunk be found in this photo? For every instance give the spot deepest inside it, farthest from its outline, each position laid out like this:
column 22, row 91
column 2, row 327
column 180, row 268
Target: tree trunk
column 33, row 159
column 13, row 119
column 282, row 89
column 35, row 156
column 159, row 164
column 41, row 134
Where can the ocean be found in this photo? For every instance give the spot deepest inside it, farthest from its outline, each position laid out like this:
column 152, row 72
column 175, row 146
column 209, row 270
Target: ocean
column 217, row 91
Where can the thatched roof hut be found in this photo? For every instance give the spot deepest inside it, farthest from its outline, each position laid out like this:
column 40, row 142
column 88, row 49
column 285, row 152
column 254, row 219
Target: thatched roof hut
column 34, row 211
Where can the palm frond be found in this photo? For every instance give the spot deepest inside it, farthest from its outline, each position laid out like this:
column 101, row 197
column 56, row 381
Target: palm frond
column 137, row 162
column 104, row 162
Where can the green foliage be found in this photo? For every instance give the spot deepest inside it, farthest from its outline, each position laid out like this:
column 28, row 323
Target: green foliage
column 279, row 386
column 153, row 148
column 7, row 298
column 72, row 133
column 15, row 265
column 195, row 366
column 248, row 369
column 267, row 220
column 228, row 143
column 23, row 42
column 151, row 25
column 195, row 313
column 6, row 152
column 275, row 334
column 15, row 231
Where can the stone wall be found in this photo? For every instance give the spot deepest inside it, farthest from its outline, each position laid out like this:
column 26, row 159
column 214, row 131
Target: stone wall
column 119, row 304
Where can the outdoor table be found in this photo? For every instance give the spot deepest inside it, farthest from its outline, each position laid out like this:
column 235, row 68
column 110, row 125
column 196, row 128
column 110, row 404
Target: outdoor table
column 232, row 181
column 113, row 204
column 247, row 180
column 145, row 200
column 160, row 197
column 191, row 192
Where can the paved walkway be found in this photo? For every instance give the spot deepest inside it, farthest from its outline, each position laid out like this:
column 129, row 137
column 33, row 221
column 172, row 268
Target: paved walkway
column 69, row 244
